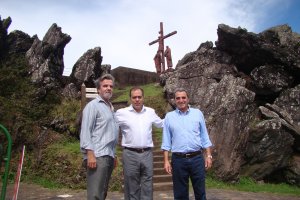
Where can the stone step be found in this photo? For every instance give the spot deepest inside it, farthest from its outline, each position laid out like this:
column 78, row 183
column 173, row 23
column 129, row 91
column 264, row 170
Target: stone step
column 159, row 171
column 158, row 164
column 162, row 178
column 165, row 186
column 158, row 153
column 158, row 158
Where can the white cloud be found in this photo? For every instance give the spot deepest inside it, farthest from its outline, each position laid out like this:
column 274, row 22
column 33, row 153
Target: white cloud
column 123, row 28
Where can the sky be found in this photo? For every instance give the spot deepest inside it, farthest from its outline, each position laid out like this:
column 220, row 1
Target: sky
column 124, row 28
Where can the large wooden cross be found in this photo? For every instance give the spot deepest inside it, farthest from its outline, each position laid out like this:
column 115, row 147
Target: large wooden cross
column 160, row 40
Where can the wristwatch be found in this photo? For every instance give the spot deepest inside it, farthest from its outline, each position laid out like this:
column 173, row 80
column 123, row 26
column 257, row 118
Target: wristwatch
column 209, row 156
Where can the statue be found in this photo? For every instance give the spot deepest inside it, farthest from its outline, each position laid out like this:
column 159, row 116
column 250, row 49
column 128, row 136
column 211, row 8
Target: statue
column 157, row 60
column 168, row 56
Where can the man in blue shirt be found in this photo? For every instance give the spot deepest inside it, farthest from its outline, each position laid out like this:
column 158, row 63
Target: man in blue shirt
column 186, row 136
column 98, row 139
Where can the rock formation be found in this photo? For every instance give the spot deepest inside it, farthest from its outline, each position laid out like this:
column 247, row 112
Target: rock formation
column 248, row 88
column 46, row 59
column 87, row 68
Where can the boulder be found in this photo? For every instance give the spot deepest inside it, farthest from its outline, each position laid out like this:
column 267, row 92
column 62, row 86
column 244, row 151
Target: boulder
column 19, row 42
column 46, row 58
column 88, row 68
column 292, row 174
column 215, row 88
column 269, row 146
column 4, row 24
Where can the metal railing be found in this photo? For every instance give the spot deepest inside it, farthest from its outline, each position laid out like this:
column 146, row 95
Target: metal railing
column 6, row 158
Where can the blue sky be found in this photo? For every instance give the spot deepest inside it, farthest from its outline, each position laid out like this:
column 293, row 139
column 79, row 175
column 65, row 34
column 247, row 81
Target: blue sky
column 124, row 28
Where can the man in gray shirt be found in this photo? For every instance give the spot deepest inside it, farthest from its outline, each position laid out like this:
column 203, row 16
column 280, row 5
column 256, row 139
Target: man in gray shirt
column 98, row 139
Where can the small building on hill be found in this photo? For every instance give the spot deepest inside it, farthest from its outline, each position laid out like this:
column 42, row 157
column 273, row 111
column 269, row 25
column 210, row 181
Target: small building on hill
column 128, row 76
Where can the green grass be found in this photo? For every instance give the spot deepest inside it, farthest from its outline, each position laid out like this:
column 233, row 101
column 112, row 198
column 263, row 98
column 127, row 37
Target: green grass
column 150, row 90
column 157, row 133
column 247, row 184
column 72, row 148
column 153, row 97
column 44, row 182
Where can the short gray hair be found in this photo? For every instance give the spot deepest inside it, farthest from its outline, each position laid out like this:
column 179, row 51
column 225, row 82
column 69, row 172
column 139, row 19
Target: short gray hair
column 102, row 78
column 181, row 90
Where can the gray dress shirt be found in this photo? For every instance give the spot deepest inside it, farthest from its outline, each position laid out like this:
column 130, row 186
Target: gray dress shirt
column 99, row 130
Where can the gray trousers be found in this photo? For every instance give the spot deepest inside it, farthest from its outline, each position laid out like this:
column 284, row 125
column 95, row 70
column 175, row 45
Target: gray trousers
column 138, row 173
column 98, row 178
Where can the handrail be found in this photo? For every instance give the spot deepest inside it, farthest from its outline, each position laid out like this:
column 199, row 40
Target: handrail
column 6, row 160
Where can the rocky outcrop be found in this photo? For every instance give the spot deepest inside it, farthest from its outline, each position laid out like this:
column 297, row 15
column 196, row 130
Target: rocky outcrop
column 16, row 42
column 214, row 87
column 46, row 59
column 248, row 89
column 85, row 71
column 19, row 42
column 88, row 68
column 4, row 24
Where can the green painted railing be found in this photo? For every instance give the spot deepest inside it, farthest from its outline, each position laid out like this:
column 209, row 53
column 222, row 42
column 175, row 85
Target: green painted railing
column 6, row 158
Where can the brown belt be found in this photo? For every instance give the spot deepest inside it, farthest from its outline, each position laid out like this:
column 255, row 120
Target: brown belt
column 188, row 155
column 138, row 150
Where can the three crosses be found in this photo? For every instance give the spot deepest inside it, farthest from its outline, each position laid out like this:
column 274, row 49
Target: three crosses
column 159, row 58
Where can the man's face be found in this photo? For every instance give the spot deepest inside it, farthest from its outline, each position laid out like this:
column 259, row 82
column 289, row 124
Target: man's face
column 137, row 100
column 181, row 101
column 106, row 89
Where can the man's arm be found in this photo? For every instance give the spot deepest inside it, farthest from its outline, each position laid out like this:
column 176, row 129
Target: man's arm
column 208, row 158
column 87, row 124
column 206, row 143
column 167, row 165
column 157, row 121
column 91, row 159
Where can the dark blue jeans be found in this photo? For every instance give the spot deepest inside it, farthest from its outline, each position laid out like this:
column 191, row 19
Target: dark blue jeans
column 182, row 170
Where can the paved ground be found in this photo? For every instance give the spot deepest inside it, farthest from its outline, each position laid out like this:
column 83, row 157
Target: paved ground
column 34, row 192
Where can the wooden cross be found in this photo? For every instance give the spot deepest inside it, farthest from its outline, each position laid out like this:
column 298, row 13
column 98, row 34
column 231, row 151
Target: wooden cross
column 160, row 40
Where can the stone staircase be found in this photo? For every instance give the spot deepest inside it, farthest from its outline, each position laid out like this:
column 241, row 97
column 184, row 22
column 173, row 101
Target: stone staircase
column 161, row 180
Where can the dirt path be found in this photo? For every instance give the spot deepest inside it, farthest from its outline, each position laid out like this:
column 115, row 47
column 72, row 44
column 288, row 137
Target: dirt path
column 35, row 192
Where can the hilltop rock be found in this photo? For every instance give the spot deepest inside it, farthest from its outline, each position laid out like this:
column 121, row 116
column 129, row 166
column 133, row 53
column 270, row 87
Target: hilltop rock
column 88, row 68
column 4, row 24
column 85, row 71
column 46, row 59
column 248, row 89
column 19, row 42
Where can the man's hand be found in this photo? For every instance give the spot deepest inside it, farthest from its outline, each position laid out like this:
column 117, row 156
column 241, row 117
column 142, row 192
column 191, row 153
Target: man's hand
column 208, row 162
column 91, row 159
column 167, row 167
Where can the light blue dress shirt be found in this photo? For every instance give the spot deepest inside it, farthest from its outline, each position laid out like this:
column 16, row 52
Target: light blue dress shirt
column 99, row 130
column 185, row 132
